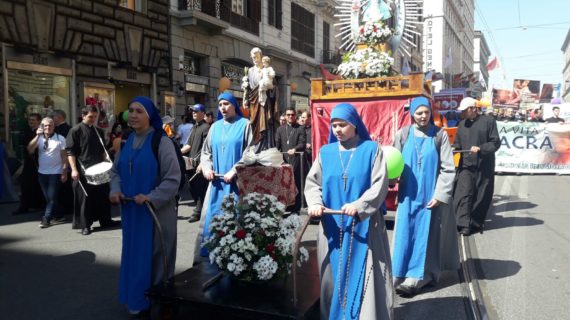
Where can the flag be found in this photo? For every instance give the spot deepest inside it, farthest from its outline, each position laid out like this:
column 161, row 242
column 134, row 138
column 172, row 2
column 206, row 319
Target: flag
column 405, row 67
column 493, row 64
column 448, row 59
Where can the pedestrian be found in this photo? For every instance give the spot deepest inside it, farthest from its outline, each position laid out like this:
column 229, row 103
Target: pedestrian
column 32, row 197
column 183, row 131
column 66, row 192
column 52, row 169
column 349, row 174
column 424, row 240
column 478, row 139
column 168, row 126
column 209, row 117
column 137, row 174
column 223, row 149
column 193, row 146
column 282, row 120
column 306, row 120
column 61, row 126
column 85, row 148
column 289, row 139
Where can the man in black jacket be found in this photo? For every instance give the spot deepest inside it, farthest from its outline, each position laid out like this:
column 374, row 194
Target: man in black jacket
column 475, row 179
column 193, row 145
column 289, row 139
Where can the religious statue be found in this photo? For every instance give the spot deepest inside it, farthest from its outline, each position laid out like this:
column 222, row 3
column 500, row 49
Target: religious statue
column 371, row 11
column 261, row 99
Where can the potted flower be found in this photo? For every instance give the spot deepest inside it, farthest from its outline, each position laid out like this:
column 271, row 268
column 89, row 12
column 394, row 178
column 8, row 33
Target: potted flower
column 366, row 63
column 372, row 33
column 251, row 241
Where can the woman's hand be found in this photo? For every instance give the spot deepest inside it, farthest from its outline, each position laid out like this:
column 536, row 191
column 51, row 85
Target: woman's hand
column 433, row 203
column 229, row 177
column 349, row 210
column 316, row 210
column 116, row 197
column 208, row 175
column 140, row 199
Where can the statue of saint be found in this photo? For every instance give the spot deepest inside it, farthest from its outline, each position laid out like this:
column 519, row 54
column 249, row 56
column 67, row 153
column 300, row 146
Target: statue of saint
column 262, row 102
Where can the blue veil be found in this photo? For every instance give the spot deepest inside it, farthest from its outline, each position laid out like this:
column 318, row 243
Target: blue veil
column 151, row 110
column 231, row 99
column 347, row 112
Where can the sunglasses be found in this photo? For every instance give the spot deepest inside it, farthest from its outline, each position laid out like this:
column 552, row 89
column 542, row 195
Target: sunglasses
column 291, row 115
column 46, row 141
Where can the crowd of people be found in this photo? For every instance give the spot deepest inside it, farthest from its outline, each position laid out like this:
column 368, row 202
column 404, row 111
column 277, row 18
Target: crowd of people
column 524, row 115
column 436, row 200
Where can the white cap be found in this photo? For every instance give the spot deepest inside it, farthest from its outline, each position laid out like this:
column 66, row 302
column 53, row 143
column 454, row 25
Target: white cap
column 167, row 119
column 466, row 103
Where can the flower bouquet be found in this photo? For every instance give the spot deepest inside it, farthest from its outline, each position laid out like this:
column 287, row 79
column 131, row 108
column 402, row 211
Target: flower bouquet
column 251, row 240
column 372, row 33
column 365, row 63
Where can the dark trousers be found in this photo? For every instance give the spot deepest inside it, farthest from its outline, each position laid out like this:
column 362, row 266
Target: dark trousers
column 198, row 187
column 66, row 196
column 473, row 196
column 32, row 195
column 51, row 185
column 91, row 207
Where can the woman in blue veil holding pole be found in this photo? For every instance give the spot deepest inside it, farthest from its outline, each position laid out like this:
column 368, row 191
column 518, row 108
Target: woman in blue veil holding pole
column 349, row 175
column 424, row 241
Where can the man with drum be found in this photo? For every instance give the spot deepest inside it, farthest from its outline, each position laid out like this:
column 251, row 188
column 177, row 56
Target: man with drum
column 86, row 152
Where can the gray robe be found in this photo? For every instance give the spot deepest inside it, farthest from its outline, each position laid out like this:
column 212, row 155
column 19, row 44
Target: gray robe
column 442, row 250
column 206, row 163
column 378, row 298
column 163, row 199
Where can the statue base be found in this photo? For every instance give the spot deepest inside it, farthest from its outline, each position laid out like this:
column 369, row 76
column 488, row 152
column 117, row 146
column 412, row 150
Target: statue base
column 278, row 181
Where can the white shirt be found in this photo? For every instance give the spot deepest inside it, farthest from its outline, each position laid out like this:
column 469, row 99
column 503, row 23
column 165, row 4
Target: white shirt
column 49, row 158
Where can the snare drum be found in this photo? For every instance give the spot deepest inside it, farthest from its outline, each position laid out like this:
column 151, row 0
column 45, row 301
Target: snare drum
column 99, row 174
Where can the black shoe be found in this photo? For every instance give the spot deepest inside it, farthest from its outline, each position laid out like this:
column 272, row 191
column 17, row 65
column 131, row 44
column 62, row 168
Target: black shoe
column 58, row 220
column 465, row 231
column 45, row 223
column 194, row 217
column 86, row 231
column 110, row 224
column 406, row 291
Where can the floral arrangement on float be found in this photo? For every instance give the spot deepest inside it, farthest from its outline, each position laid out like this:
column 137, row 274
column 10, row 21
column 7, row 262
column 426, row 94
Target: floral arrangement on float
column 251, row 241
column 372, row 58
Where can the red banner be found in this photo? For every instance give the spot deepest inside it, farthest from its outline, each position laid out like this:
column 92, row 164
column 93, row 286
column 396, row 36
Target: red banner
column 446, row 102
column 382, row 118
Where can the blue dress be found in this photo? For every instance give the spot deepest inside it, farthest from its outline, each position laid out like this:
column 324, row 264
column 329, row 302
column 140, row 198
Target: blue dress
column 334, row 197
column 138, row 229
column 417, row 186
column 227, row 140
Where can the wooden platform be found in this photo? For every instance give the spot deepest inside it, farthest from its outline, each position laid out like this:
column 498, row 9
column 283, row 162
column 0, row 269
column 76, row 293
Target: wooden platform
column 232, row 299
column 397, row 86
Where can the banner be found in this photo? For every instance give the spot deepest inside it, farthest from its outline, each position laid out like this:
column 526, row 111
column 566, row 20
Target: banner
column 532, row 147
column 502, row 99
column 447, row 101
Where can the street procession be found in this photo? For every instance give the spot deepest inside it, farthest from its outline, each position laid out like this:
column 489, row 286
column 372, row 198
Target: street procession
column 284, row 159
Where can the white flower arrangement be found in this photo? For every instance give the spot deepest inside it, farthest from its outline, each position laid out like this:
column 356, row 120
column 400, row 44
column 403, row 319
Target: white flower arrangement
column 372, row 33
column 250, row 240
column 366, row 63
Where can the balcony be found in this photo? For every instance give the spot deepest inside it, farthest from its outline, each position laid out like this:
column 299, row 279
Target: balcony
column 331, row 57
column 213, row 14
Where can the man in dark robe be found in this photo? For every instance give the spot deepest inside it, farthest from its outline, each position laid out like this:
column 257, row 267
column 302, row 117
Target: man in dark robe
column 198, row 184
column 84, row 149
column 291, row 138
column 59, row 119
column 32, row 196
column 474, row 184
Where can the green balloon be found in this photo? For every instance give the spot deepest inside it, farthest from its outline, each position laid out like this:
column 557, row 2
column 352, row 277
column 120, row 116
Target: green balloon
column 394, row 161
column 126, row 115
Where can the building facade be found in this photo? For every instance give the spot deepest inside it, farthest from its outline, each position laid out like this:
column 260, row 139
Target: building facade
column 212, row 40
column 566, row 71
column 448, row 34
column 64, row 54
column 481, row 54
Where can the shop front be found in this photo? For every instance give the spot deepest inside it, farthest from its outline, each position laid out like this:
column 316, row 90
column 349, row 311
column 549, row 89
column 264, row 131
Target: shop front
column 33, row 83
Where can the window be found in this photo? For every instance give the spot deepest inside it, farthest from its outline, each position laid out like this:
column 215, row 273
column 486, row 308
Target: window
column 239, row 7
column 302, row 30
column 326, row 36
column 274, row 13
column 136, row 5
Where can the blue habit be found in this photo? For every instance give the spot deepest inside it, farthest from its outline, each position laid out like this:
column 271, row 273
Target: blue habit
column 334, row 197
column 138, row 228
column 227, row 149
column 417, row 186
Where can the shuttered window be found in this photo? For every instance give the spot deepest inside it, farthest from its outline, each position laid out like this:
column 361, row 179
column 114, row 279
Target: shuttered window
column 275, row 13
column 326, row 36
column 302, row 30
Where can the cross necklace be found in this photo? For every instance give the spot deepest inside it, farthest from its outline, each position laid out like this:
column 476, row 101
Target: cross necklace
column 345, row 169
column 224, row 135
column 287, row 133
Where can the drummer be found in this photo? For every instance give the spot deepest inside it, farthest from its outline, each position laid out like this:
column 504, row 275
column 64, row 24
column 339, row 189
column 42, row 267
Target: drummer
column 85, row 149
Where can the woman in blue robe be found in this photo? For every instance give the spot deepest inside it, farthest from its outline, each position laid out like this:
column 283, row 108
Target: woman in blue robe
column 141, row 260
column 424, row 241
column 222, row 151
column 349, row 174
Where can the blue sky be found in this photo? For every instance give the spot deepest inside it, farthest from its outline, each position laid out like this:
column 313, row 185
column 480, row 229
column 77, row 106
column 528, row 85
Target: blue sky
column 531, row 53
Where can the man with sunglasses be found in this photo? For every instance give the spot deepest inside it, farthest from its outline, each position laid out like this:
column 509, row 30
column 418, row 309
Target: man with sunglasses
column 477, row 139
column 291, row 138
column 52, row 169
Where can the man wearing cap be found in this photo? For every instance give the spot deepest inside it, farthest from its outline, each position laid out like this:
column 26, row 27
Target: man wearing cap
column 168, row 126
column 193, row 145
column 478, row 139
